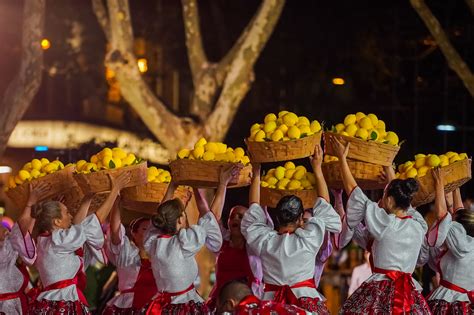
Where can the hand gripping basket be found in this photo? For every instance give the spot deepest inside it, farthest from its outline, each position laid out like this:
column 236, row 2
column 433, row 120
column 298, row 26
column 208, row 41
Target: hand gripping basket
column 365, row 151
column 455, row 175
column 365, row 174
column 197, row 173
column 58, row 182
column 271, row 196
column 275, row 151
column 98, row 182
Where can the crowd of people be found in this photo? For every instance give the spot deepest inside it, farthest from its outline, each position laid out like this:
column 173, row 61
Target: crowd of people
column 265, row 264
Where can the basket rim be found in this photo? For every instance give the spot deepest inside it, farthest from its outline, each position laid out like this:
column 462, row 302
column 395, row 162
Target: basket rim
column 369, row 142
column 247, row 140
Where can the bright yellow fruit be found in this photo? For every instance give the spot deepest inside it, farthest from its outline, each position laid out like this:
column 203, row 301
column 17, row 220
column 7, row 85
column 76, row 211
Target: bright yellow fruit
column 106, row 161
column 423, row 170
column 290, row 119
column 362, row 133
column 432, row 160
column 269, row 126
column 302, row 120
column 381, row 124
column 44, row 161
column 305, row 130
column 260, row 136
column 299, row 174
column 294, row 184
column 272, row 180
column 255, row 126
column 419, row 155
column 35, row 173
column 270, row 117
column 463, row 156
column 311, row 177
column 183, row 153
column 420, row 161
column 280, row 172
column 245, row 160
column 198, row 152
column 24, row 175
column 152, row 171
column 36, row 164
column 208, row 156
column 315, row 126
column 264, row 184
column 294, row 132
column 289, row 173
column 411, row 173
column 306, row 183
column 129, row 160
column 50, row 168
column 282, row 113
column 239, row 152
column 277, row 135
column 450, row 154
column 18, row 180
column 392, row 138
column 231, row 156
column 351, row 130
column 454, row 158
column 117, row 162
column 339, row 127
column 106, row 152
column 80, row 164
column 211, row 147
column 221, row 147
column 374, row 119
column 359, row 116
column 282, row 183
column 200, row 143
column 118, row 153
column 444, row 160
column 283, row 128
column 28, row 166
column 366, row 123
column 350, row 120
column 343, row 133
column 290, row 165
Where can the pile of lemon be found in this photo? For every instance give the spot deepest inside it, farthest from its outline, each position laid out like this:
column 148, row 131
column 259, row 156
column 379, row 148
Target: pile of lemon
column 158, row 175
column 36, row 168
column 289, row 177
column 423, row 163
column 107, row 159
column 214, row 151
column 366, row 127
column 286, row 126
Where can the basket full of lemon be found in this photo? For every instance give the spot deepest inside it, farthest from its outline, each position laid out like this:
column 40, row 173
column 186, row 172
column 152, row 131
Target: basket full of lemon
column 285, row 180
column 456, row 169
column 200, row 166
column 154, row 190
column 283, row 137
column 369, row 140
column 36, row 171
column 93, row 175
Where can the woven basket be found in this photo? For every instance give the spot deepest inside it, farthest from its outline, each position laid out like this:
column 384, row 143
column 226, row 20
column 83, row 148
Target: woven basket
column 73, row 198
column 365, row 151
column 270, row 196
column 154, row 192
column 98, row 182
column 365, row 174
column 59, row 182
column 455, row 175
column 275, row 151
column 197, row 173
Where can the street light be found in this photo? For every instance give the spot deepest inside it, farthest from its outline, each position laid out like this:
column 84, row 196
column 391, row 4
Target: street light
column 142, row 65
column 446, row 127
column 45, row 44
column 338, row 81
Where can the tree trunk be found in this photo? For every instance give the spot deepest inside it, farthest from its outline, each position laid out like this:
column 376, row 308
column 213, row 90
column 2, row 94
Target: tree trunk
column 25, row 85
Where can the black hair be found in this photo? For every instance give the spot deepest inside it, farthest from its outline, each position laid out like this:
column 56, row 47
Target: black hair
column 167, row 215
column 235, row 289
column 466, row 218
column 289, row 210
column 402, row 191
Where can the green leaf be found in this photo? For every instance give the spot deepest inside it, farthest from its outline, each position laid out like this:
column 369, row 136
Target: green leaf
column 373, row 135
column 386, row 142
column 303, row 135
column 111, row 164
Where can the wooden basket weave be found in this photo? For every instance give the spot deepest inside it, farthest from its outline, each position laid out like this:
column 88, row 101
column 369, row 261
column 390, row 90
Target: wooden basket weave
column 455, row 175
column 73, row 198
column 365, row 151
column 59, row 182
column 154, row 192
column 98, row 182
column 276, row 151
column 270, row 196
column 365, row 174
column 197, row 173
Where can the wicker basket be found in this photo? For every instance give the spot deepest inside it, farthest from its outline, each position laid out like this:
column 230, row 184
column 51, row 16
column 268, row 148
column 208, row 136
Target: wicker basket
column 365, row 151
column 73, row 198
column 59, row 182
column 270, row 196
column 455, row 175
column 154, row 192
column 98, row 182
column 197, row 173
column 276, row 151
column 365, row 174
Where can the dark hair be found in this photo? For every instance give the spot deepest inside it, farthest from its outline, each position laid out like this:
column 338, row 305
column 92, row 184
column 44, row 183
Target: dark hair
column 236, row 290
column 135, row 224
column 466, row 218
column 45, row 213
column 402, row 191
column 167, row 215
column 288, row 210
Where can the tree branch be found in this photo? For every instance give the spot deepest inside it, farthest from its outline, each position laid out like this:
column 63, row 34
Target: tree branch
column 101, row 14
column 454, row 60
column 25, row 85
column 240, row 74
column 196, row 55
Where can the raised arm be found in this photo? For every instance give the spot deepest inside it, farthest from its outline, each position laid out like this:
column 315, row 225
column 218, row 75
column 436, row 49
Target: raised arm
column 316, row 162
column 341, row 152
column 440, row 202
column 115, row 223
column 170, row 191
column 26, row 221
column 81, row 213
column 457, row 200
column 254, row 192
column 225, row 176
column 338, row 203
column 201, row 202
column 117, row 185
column 389, row 173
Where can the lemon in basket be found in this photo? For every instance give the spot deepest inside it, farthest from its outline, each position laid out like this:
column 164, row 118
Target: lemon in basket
column 289, row 177
column 423, row 163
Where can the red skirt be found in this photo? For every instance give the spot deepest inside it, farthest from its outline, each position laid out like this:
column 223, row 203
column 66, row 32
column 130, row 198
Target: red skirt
column 190, row 308
column 313, row 305
column 376, row 298
column 114, row 310
column 442, row 307
column 47, row 307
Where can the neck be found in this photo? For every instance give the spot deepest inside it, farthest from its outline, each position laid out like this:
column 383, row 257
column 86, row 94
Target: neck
column 237, row 240
column 399, row 212
column 287, row 228
column 143, row 253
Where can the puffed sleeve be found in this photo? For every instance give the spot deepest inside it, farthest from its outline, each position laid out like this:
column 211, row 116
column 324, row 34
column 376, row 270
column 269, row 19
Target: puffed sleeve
column 23, row 244
column 123, row 254
column 7, row 253
column 255, row 229
column 359, row 234
column 326, row 249
column 376, row 219
column 205, row 232
column 324, row 211
column 458, row 242
column 69, row 240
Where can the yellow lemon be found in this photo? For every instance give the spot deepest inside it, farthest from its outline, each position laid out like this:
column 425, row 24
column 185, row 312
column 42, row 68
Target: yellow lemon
column 253, row 133
column 432, row 160
column 200, row 143
column 294, row 132
column 299, row 174
column 117, row 162
column 221, row 147
column 239, row 152
column 36, row 164
column 80, row 164
column 454, row 158
column 311, row 177
column 382, row 134
column 50, row 168
column 35, row 173
column 44, row 161
column 245, row 160
column 305, row 183
column 11, row 182
column 290, row 165
column 419, row 162
column 255, row 127
column 359, row 116
column 302, row 120
column 339, row 127
column 24, row 175
column 285, row 138
column 282, row 113
column 294, row 185
column 277, row 135
column 129, row 160
column 343, row 133
column 283, row 128
column 280, row 172
column 450, row 154
column 289, row 173
column 351, row 130
column 420, row 155
column 381, row 124
column 366, row 123
column 118, row 153
column 290, row 119
column 28, row 166
column 463, row 156
column 198, row 152
column 374, row 119
column 106, row 152
column 150, row 178
column 305, row 130
column 423, row 170
column 411, row 173
column 282, row 183
column 272, row 180
column 106, row 161
column 18, row 180
column 391, row 138
column 362, row 133
column 94, row 158
column 315, row 126
column 408, row 165
column 260, row 136
column 211, row 147
column 350, row 120
column 264, row 184
column 269, row 126
column 270, row 117
column 444, row 160
column 152, row 171
column 230, row 156
column 183, row 153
